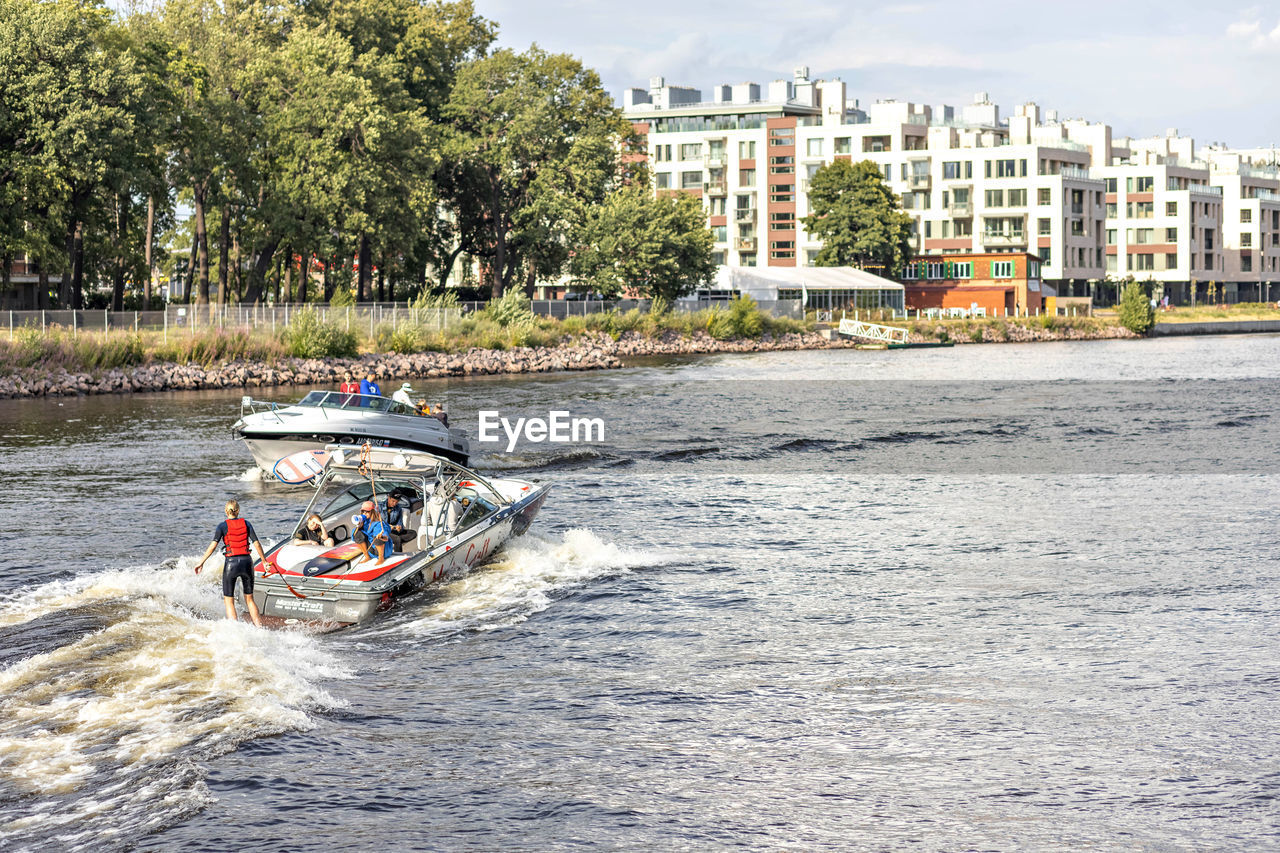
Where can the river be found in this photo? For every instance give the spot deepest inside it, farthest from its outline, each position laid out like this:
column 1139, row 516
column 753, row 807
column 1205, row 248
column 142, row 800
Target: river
column 997, row 597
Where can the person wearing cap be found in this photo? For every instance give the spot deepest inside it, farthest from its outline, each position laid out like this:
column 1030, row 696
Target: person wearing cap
column 371, row 533
column 236, row 534
column 369, row 386
column 394, row 513
column 402, row 396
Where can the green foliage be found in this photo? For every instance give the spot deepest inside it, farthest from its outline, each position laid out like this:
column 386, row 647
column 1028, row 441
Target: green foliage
column 1135, row 309
column 531, row 147
column 343, row 297
column 858, row 218
column 512, row 309
column 311, row 336
column 658, row 245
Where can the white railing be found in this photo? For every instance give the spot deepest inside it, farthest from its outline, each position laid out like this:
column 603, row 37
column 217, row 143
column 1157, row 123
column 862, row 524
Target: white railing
column 873, row 331
column 198, row 318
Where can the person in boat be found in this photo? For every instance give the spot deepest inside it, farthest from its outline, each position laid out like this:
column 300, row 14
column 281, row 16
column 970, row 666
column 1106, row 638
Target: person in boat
column 370, row 532
column 369, row 386
column 348, row 386
column 394, row 511
column 235, row 534
column 402, row 395
column 313, row 531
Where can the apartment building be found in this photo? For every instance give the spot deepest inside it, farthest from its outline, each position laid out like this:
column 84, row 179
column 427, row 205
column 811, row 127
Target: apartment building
column 971, row 182
column 1091, row 208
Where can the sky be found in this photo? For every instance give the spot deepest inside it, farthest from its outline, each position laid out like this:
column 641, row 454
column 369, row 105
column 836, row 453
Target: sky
column 1211, row 70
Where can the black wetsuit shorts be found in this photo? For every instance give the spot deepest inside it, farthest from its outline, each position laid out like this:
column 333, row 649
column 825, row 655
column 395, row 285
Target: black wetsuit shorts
column 237, row 567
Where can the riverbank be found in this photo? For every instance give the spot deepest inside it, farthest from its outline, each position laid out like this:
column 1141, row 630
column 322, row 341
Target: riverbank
column 596, row 351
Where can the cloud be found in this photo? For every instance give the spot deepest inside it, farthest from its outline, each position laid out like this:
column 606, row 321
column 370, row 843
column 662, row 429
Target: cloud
column 1253, row 34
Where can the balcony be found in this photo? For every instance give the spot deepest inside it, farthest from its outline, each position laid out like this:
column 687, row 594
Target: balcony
column 1004, row 238
column 918, row 182
column 717, row 187
column 744, row 214
column 716, row 160
column 745, row 244
column 960, row 210
column 1077, row 209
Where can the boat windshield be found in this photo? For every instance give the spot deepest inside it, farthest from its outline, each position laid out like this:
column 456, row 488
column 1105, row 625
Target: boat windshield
column 367, row 402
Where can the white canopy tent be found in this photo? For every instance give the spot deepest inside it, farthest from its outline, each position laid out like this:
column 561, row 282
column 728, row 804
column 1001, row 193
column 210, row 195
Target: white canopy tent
column 817, row 287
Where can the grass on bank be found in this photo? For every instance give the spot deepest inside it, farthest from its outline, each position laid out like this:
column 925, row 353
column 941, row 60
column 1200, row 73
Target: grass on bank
column 506, row 324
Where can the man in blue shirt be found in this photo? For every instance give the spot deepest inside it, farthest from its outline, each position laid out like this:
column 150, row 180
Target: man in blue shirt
column 369, row 386
column 371, row 534
column 394, row 511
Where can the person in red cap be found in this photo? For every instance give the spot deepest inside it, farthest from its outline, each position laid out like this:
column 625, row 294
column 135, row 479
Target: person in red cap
column 371, row 533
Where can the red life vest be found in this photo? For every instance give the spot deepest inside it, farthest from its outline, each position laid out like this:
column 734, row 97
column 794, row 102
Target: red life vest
column 236, row 542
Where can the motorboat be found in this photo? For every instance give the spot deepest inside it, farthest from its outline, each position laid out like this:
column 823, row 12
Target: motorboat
column 273, row 432
column 460, row 519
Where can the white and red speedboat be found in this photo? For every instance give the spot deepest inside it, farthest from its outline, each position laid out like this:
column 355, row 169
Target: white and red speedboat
column 460, row 517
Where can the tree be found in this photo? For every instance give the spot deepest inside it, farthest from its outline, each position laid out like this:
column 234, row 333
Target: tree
column 534, row 142
column 659, row 245
column 857, row 217
column 1136, row 313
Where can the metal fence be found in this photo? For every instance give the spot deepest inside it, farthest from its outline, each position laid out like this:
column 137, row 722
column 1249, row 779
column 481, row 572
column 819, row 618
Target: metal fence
column 562, row 308
column 194, row 318
column 365, row 317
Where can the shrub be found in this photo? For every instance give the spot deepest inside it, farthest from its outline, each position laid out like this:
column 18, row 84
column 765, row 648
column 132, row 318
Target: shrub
column 310, row 336
column 342, row 297
column 511, row 310
column 1135, row 310
column 747, row 320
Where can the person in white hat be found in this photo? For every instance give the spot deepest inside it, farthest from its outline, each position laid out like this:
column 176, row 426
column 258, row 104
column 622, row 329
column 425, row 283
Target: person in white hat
column 403, row 395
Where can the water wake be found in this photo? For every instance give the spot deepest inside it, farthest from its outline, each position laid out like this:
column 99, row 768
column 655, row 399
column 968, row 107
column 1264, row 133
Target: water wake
column 253, row 475
column 101, row 731
column 523, row 581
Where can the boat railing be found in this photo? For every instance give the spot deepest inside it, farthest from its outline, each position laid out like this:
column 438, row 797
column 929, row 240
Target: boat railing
column 250, row 406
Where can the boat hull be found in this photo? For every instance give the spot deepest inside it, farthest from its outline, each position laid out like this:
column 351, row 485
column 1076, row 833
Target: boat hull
column 363, row 589
column 269, row 449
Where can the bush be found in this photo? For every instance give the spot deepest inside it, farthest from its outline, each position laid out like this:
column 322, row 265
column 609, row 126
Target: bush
column 1135, row 309
column 747, row 319
column 342, row 297
column 310, row 336
column 511, row 310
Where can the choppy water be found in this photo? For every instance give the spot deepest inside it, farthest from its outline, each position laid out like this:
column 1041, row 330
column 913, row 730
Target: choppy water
column 988, row 597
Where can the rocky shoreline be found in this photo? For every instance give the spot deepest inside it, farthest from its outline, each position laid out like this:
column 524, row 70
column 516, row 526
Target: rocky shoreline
column 590, row 352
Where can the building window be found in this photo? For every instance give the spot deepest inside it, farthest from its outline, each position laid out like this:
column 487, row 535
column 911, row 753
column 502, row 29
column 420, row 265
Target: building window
column 910, row 272
column 1111, row 184
column 1171, row 235
column 747, row 260
column 843, row 145
column 1111, row 236
column 951, row 170
column 1044, row 195
column 1246, row 263
column 1246, row 241
column 1017, row 198
column 782, row 221
column 746, row 151
column 1077, row 227
column 691, row 151
column 1246, row 215
column 780, row 136
column 746, row 177
column 720, row 233
column 810, row 257
column 1043, row 226
column 1140, row 209
column 691, row 180
column 1002, row 269
column 814, row 147
column 662, row 180
column 995, row 198
column 1171, row 260
column 719, row 258
column 962, row 269
column 1140, row 236
column 662, row 153
column 1170, row 208
column 1112, row 212
column 1046, row 256
column 782, row 192
column 1141, row 263
column 1143, row 184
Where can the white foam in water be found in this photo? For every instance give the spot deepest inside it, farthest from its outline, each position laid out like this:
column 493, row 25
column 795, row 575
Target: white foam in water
column 253, row 475
column 110, row 716
column 522, row 580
